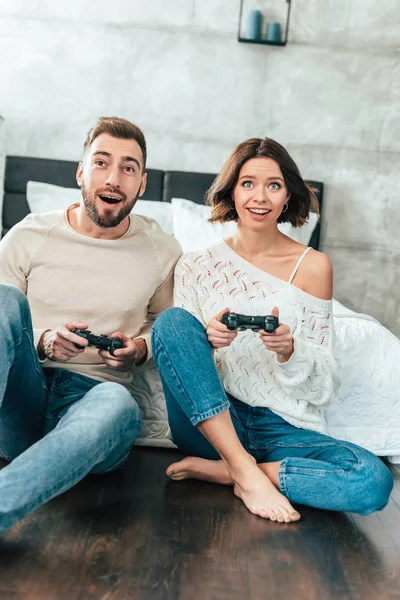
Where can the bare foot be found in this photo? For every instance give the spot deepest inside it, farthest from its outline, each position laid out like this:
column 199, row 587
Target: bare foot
column 255, row 489
column 261, row 497
column 193, row 467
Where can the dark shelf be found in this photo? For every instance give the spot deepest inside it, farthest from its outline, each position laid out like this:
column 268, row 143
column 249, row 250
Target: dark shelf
column 262, row 42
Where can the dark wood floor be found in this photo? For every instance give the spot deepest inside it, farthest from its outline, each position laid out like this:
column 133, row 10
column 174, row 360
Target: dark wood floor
column 133, row 535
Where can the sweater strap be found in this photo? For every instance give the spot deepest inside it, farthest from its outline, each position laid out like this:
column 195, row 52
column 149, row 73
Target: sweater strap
column 298, row 264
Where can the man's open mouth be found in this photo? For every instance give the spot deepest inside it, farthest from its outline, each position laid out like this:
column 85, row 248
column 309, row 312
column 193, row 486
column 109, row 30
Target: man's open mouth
column 110, row 199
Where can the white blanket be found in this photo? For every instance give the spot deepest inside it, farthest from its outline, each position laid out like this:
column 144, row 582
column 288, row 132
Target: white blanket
column 366, row 410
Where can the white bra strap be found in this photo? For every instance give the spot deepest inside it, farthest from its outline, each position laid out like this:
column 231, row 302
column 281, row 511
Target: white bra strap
column 298, row 264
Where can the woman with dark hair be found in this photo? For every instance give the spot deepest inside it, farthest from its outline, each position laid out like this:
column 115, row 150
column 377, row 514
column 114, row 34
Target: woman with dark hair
column 245, row 406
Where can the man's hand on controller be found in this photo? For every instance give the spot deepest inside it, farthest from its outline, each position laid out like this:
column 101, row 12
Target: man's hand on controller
column 123, row 359
column 60, row 343
column 281, row 341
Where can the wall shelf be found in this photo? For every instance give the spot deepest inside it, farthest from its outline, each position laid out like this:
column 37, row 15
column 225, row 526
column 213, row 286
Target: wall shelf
column 261, row 41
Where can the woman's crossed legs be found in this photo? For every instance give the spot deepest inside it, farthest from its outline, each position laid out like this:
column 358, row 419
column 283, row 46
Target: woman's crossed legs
column 307, row 467
column 294, row 465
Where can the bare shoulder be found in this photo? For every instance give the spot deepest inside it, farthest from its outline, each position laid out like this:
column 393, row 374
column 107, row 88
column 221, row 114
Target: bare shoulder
column 317, row 275
column 317, row 262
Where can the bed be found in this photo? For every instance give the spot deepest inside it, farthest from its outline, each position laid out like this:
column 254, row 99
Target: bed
column 366, row 410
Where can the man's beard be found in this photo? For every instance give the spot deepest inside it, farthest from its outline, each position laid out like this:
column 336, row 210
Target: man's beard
column 108, row 220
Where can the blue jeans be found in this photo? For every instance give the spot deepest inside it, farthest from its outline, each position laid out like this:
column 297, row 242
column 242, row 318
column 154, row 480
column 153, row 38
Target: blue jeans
column 315, row 469
column 55, row 426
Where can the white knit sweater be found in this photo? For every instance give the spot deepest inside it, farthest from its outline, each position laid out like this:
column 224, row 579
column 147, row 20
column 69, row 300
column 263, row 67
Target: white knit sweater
column 209, row 280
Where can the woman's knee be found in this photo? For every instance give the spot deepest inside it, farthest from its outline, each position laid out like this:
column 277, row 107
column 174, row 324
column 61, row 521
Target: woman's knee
column 373, row 483
column 378, row 487
column 367, row 482
column 175, row 319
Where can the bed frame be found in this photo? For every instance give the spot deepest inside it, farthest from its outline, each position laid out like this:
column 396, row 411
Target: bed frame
column 161, row 186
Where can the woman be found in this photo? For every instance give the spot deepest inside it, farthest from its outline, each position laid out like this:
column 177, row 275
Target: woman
column 244, row 405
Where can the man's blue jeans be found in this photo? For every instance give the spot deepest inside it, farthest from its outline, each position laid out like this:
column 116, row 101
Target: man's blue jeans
column 316, row 470
column 55, row 427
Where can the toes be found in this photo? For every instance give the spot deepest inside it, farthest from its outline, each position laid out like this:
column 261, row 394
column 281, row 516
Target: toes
column 272, row 515
column 286, row 516
column 178, row 475
column 294, row 515
column 280, row 516
column 170, row 470
column 289, row 515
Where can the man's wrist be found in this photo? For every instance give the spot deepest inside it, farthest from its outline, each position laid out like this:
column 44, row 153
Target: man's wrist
column 142, row 351
column 40, row 346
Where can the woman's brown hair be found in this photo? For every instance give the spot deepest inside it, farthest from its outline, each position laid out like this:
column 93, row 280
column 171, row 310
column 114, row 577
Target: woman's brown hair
column 220, row 195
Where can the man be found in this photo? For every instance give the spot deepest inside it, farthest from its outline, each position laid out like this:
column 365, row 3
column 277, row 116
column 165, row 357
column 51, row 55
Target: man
column 65, row 410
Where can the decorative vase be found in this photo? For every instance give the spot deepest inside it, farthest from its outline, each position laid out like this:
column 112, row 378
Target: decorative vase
column 273, row 32
column 253, row 24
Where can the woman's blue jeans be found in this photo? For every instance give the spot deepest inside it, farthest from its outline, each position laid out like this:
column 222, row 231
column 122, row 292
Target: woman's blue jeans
column 316, row 470
column 55, row 426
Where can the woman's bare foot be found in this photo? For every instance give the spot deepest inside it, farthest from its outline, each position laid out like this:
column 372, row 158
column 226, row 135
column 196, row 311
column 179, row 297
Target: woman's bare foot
column 261, row 497
column 193, row 467
column 254, row 488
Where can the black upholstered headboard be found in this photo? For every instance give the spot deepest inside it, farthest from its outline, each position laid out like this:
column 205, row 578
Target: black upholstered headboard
column 161, row 186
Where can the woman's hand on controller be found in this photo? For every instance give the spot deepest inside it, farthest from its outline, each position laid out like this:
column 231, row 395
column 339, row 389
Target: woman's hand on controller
column 281, row 341
column 123, row 359
column 218, row 334
column 61, row 344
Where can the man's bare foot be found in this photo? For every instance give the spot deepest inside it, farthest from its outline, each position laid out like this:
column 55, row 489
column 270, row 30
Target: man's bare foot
column 254, row 488
column 193, row 467
column 261, row 497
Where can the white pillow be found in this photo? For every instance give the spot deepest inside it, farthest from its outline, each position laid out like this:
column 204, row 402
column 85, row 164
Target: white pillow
column 160, row 211
column 191, row 227
column 300, row 234
column 193, row 231
column 45, row 197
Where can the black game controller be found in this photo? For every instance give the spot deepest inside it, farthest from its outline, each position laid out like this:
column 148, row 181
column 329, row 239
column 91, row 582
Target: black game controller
column 234, row 321
column 100, row 341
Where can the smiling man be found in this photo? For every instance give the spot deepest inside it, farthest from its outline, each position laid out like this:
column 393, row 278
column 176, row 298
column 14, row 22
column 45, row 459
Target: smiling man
column 65, row 410
column 111, row 178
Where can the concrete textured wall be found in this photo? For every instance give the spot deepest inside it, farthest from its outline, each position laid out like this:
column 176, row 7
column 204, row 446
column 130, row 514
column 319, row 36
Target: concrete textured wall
column 331, row 96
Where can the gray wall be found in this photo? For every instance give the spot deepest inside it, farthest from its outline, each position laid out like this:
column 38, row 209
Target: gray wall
column 332, row 97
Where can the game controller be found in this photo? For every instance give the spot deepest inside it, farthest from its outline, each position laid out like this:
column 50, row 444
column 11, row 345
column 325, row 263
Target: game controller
column 234, row 321
column 99, row 341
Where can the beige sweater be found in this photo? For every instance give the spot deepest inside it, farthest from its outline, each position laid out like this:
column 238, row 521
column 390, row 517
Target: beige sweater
column 112, row 285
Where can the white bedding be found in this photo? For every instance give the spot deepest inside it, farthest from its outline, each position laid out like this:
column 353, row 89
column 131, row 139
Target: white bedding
column 366, row 410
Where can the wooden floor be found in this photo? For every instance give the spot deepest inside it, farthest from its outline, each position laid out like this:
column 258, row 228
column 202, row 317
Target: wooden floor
column 133, row 535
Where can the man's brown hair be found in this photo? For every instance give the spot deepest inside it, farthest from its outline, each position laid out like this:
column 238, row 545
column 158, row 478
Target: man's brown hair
column 220, row 195
column 119, row 128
